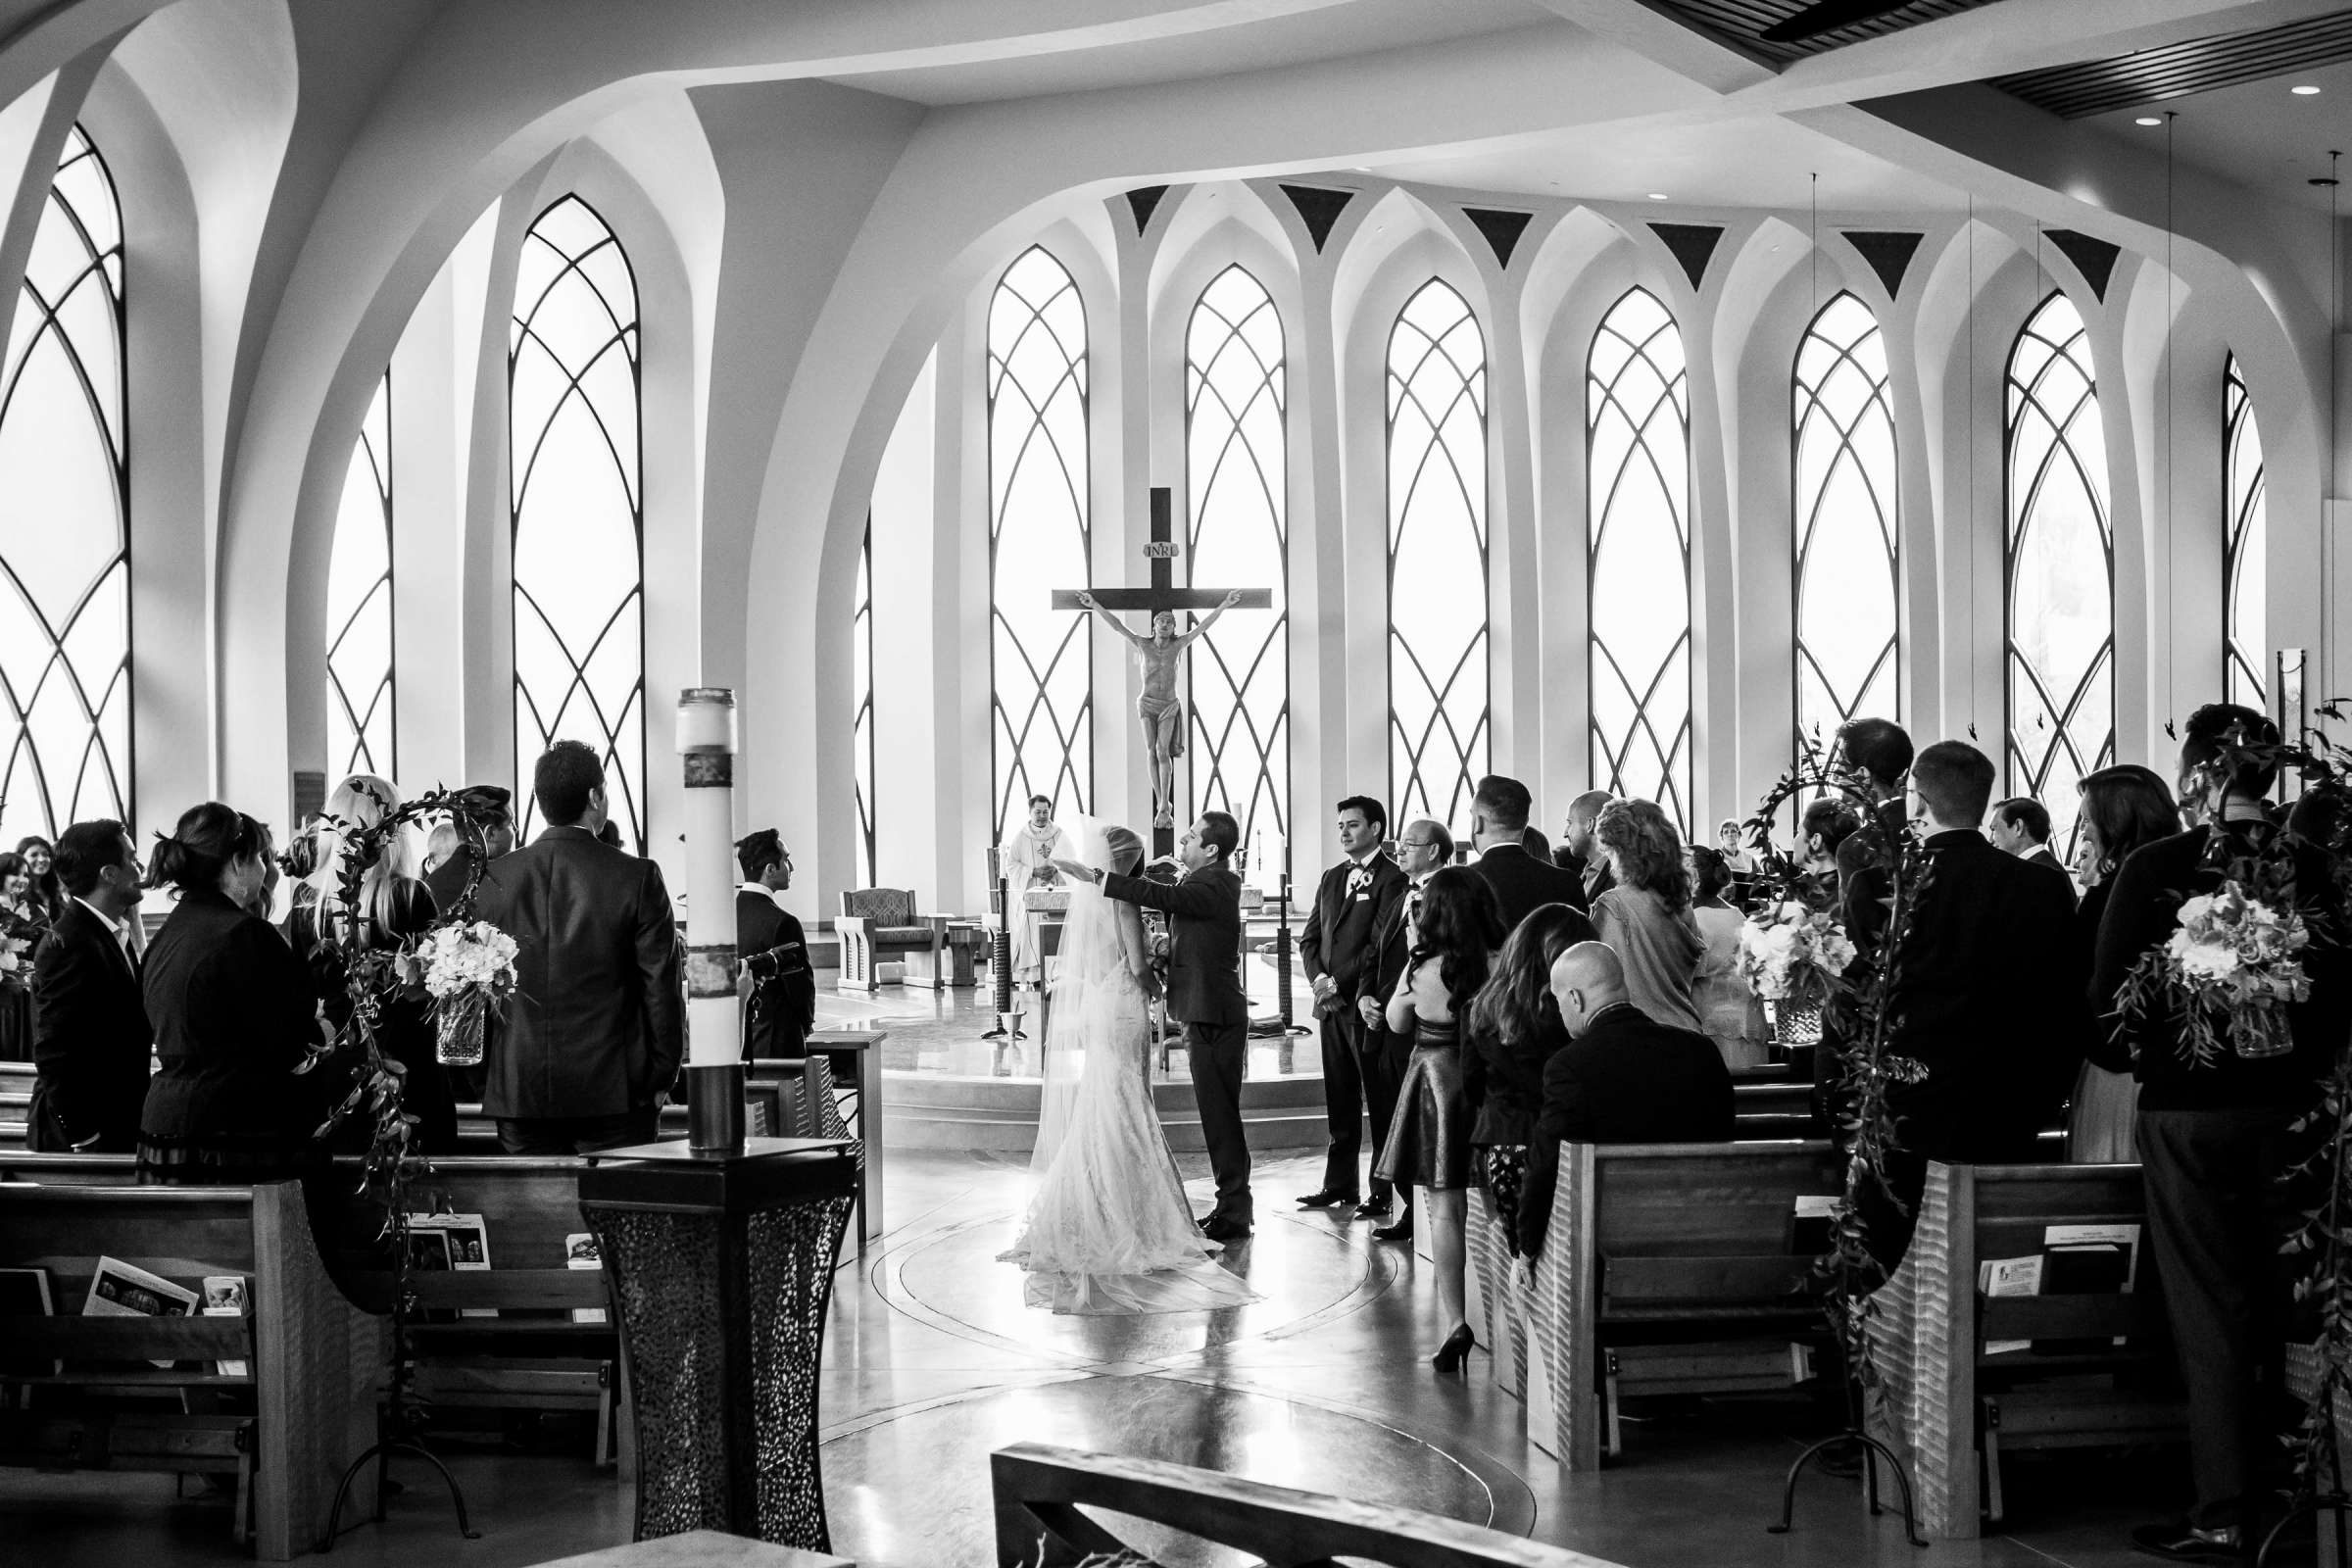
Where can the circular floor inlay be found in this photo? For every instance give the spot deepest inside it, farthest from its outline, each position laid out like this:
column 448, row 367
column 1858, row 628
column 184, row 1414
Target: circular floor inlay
column 922, row 1497
column 1297, row 1270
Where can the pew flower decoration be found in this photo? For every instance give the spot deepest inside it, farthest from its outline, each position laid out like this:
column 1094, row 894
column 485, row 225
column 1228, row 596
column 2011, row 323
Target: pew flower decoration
column 1790, row 951
column 2226, row 975
column 468, row 968
column 16, row 963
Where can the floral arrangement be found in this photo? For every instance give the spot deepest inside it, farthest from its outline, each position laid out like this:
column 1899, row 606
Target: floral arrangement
column 1790, row 951
column 16, row 961
column 2230, row 968
column 468, row 968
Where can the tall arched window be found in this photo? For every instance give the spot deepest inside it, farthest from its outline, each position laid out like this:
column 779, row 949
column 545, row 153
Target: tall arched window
column 65, row 535
column 2245, row 636
column 572, row 395
column 1847, row 664
column 1638, row 433
column 1038, row 538
column 1437, row 695
column 1236, row 467
column 861, row 687
column 358, row 604
column 2060, row 563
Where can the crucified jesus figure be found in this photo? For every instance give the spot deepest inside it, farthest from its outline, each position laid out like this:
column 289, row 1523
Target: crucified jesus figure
column 1158, row 707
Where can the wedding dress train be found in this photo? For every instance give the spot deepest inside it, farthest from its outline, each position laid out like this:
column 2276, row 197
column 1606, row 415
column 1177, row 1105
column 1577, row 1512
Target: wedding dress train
column 1109, row 1228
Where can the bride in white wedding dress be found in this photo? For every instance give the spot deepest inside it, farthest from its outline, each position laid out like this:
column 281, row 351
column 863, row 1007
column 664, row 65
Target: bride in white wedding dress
column 1109, row 1228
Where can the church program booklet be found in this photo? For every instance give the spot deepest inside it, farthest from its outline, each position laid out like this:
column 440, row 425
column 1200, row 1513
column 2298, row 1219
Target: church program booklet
column 123, row 1290
column 2088, row 1261
column 469, row 1241
column 2009, row 1276
column 227, row 1295
column 579, row 1252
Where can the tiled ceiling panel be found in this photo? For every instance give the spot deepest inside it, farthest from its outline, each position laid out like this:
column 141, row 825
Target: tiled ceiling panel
column 1743, row 22
column 2180, row 69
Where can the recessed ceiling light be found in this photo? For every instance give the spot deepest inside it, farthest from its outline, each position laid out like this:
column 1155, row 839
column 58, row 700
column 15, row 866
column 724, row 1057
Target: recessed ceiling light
column 2148, row 119
column 1657, row 195
column 2307, row 91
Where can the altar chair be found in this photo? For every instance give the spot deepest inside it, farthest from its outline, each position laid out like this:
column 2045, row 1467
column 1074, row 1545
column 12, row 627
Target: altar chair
column 879, row 923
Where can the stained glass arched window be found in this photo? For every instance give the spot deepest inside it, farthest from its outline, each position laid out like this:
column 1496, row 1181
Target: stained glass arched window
column 1845, row 538
column 1236, row 467
column 65, row 536
column 862, row 689
column 2245, row 636
column 1638, row 431
column 1438, row 692
column 573, row 392
column 358, row 605
column 1039, row 538
column 2060, row 563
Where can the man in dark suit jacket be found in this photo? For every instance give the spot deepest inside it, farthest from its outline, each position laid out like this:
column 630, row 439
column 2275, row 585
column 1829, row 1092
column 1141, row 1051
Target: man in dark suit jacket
column 1989, row 995
column 91, row 1043
column 1878, row 752
column 492, row 828
column 1621, row 1078
column 781, row 1008
column 1522, row 883
column 1205, row 992
column 596, row 1029
column 1423, row 848
column 1335, row 949
column 2021, row 826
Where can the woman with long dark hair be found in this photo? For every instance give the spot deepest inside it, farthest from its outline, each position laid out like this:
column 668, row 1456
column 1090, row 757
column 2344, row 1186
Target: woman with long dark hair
column 1429, row 1136
column 236, row 1025
column 1646, row 915
column 41, row 863
column 2122, row 809
column 1513, row 1028
column 21, row 920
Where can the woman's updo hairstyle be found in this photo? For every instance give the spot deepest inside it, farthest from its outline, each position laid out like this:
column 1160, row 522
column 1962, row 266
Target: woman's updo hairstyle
column 1126, row 849
column 209, row 838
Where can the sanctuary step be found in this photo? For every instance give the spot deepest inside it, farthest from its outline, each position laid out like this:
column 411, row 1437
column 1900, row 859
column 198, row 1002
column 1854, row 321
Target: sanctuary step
column 940, row 1110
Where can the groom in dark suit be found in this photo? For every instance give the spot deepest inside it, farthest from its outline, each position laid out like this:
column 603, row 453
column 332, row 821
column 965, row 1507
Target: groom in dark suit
column 91, row 1040
column 1335, row 949
column 1205, row 993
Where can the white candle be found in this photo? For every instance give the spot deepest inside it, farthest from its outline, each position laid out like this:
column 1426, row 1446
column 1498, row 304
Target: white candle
column 706, row 749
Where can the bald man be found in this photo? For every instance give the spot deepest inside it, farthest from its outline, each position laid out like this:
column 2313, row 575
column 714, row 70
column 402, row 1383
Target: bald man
column 1621, row 1079
column 1578, row 853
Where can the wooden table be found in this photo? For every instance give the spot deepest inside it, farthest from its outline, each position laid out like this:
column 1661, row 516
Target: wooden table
column 856, row 1053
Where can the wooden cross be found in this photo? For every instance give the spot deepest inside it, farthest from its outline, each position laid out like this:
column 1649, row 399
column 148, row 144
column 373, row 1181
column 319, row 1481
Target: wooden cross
column 1162, row 594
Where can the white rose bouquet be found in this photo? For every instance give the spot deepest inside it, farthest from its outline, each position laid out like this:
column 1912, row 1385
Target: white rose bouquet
column 468, row 968
column 1790, row 951
column 2230, row 968
column 16, row 963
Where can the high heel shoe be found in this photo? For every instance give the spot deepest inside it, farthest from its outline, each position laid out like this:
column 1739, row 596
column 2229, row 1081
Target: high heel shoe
column 1455, row 1350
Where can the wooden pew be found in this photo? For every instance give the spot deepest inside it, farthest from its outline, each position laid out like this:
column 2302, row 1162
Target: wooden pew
column 16, row 1103
column 70, row 1170
column 1955, row 1403
column 1040, row 1489
column 309, row 1354
column 1668, row 1268
column 1769, row 1111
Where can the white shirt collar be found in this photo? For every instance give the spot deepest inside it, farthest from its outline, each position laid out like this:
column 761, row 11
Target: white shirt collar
column 1365, row 860
column 763, row 890
column 121, row 928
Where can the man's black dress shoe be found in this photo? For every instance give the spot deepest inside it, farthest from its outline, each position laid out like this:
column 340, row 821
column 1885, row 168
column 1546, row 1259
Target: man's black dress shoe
column 2181, row 1544
column 1401, row 1231
column 1375, row 1207
column 1325, row 1199
column 1220, row 1229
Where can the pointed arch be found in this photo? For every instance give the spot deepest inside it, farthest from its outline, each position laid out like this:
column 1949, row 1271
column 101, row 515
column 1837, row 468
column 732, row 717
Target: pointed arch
column 1846, row 534
column 361, row 654
column 65, row 524
column 861, row 688
column 1237, row 464
column 1039, row 535
column 2245, row 541
column 574, row 380
column 1437, row 487
column 2059, row 565
column 1638, row 574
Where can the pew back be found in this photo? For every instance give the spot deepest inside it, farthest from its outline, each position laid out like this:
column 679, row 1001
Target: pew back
column 1653, row 1244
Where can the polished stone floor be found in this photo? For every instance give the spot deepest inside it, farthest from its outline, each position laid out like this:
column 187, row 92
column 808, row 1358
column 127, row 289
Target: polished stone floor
column 933, row 1361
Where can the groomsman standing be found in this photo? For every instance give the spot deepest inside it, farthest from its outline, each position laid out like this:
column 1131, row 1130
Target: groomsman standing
column 1335, row 949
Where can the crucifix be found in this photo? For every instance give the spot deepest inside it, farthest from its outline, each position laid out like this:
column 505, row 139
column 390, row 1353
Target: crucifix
column 1161, row 652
